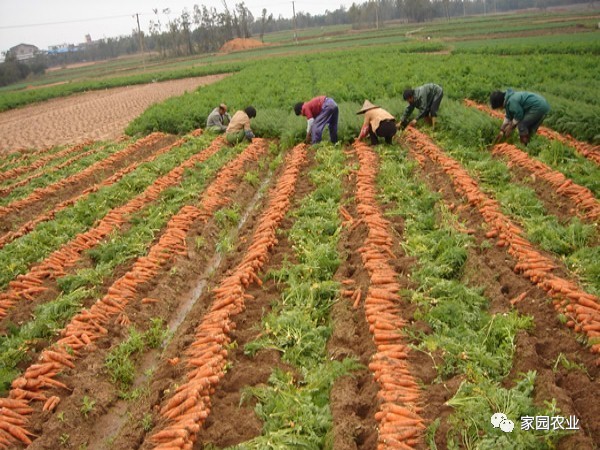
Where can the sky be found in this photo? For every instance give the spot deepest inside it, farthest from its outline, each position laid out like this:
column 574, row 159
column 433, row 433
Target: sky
column 44, row 23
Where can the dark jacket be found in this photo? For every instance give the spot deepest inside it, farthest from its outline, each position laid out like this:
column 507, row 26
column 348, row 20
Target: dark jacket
column 517, row 104
column 423, row 98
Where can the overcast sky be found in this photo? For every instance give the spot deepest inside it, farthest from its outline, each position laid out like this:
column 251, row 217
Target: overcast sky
column 46, row 22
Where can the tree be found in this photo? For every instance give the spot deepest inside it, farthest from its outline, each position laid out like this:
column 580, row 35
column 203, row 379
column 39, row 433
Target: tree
column 264, row 20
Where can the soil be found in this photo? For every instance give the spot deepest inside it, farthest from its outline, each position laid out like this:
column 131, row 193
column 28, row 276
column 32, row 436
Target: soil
column 238, row 44
column 490, row 267
column 97, row 115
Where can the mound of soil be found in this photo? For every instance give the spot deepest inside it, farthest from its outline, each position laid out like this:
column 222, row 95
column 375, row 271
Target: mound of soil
column 238, row 44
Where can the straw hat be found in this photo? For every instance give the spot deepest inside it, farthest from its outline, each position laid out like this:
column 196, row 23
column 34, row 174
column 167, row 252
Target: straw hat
column 367, row 105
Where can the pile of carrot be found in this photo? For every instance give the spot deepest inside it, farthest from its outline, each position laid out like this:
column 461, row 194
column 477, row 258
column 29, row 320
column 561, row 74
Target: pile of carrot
column 12, row 422
column 591, row 152
column 32, row 284
column 187, row 409
column 30, row 225
column 90, row 325
column 585, row 202
column 582, row 308
column 37, row 164
column 400, row 424
column 39, row 193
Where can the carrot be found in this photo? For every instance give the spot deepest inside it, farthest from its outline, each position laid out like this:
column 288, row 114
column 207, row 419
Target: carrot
column 17, row 432
column 357, row 299
column 518, row 299
column 59, row 358
column 51, row 403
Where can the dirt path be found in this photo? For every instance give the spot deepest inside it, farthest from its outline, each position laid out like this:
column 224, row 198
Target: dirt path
column 95, row 115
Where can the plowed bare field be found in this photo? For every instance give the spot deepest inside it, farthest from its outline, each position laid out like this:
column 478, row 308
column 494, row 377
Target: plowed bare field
column 98, row 115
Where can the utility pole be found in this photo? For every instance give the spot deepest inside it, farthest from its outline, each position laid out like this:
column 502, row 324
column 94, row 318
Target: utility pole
column 137, row 17
column 377, row 14
column 295, row 32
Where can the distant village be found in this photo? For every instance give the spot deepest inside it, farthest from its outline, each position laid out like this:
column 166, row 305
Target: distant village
column 25, row 52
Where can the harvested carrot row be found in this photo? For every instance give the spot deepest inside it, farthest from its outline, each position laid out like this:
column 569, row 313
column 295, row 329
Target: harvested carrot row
column 585, row 202
column 8, row 189
column 591, row 152
column 400, row 426
column 89, row 325
column 30, row 285
column 582, row 308
column 42, row 161
column 188, row 408
column 39, row 194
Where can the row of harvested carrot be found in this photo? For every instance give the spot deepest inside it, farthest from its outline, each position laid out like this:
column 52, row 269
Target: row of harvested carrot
column 8, row 189
column 585, row 202
column 90, row 325
column 582, row 308
column 39, row 163
column 31, row 285
column 49, row 215
column 186, row 410
column 589, row 151
column 39, row 193
column 400, row 423
column 23, row 156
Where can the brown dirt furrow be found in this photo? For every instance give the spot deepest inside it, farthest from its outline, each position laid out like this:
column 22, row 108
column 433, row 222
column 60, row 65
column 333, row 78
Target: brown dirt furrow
column 586, row 204
column 49, row 215
column 39, row 163
column 353, row 397
column 206, row 358
column 589, row 151
column 400, row 421
column 90, row 325
column 40, row 199
column 41, row 277
column 96, row 115
column 582, row 308
column 490, row 267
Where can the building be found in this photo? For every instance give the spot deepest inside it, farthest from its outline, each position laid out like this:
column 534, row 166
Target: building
column 23, row 52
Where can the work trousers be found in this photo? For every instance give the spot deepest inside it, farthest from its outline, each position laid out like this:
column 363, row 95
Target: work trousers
column 386, row 130
column 328, row 116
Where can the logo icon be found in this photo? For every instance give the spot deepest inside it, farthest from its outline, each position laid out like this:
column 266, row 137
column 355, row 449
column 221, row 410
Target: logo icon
column 499, row 420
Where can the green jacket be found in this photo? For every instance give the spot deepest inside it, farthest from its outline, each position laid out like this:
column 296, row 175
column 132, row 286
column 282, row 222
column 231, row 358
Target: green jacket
column 423, row 98
column 518, row 104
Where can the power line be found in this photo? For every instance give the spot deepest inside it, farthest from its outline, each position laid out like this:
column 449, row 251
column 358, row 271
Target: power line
column 6, row 27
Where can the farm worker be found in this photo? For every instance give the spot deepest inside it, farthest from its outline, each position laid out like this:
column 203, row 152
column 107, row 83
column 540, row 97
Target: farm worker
column 524, row 110
column 319, row 111
column 239, row 127
column 218, row 119
column 426, row 99
column 378, row 123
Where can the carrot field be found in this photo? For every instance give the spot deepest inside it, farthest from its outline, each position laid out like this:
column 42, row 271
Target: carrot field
column 171, row 291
